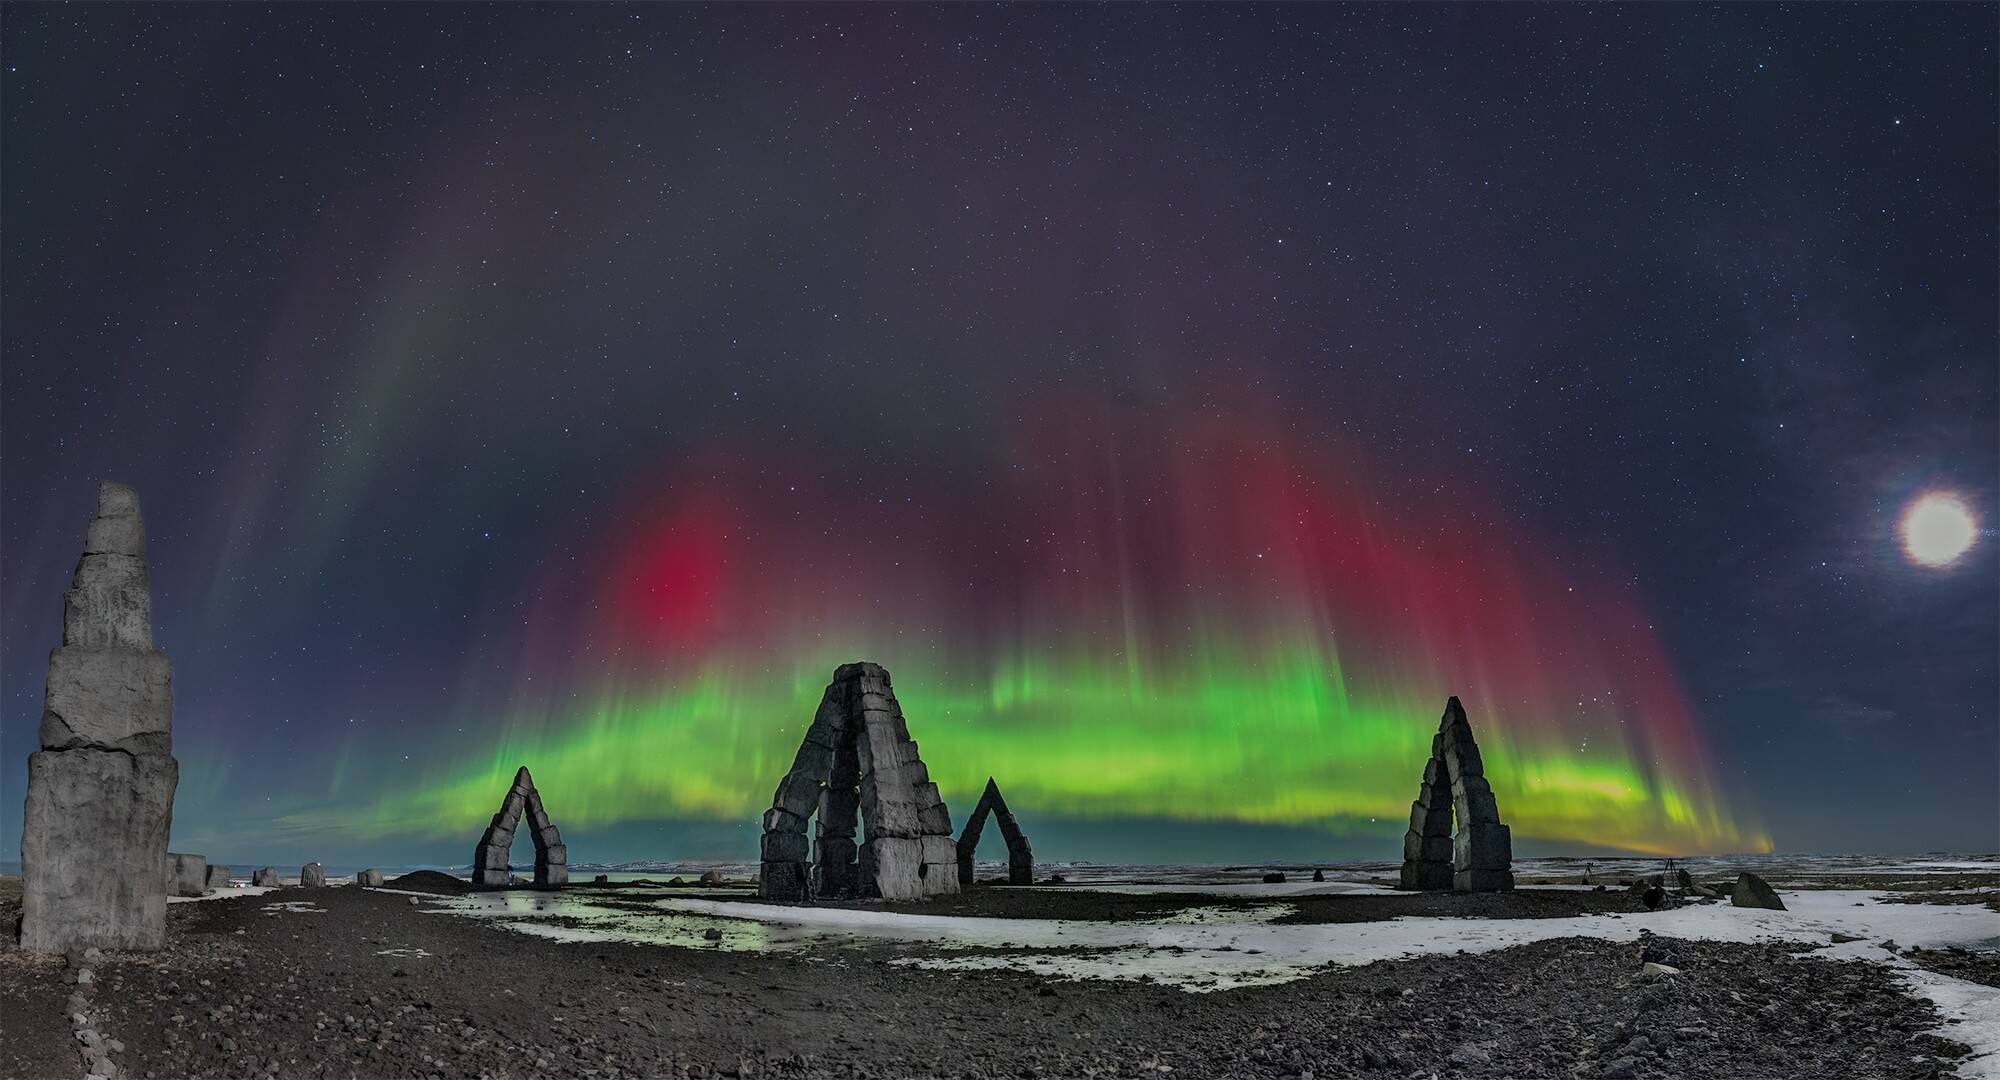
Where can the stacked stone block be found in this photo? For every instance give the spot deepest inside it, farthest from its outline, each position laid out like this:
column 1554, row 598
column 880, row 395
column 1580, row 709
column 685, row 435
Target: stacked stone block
column 1020, row 857
column 1479, row 858
column 489, row 856
column 857, row 761
column 100, row 795
column 187, row 875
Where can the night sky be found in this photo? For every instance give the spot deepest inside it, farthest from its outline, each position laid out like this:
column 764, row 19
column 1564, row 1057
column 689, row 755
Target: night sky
column 1180, row 402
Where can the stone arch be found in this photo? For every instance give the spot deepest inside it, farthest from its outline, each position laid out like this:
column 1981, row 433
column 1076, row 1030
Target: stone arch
column 858, row 758
column 1480, row 857
column 489, row 858
column 1020, row 857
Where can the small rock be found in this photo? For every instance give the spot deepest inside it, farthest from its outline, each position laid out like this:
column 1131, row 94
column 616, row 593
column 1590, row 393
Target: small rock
column 1658, row 971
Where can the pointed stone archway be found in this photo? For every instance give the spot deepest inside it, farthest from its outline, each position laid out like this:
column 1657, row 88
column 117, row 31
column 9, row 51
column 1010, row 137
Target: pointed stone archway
column 858, row 758
column 1020, row 857
column 1480, row 857
column 489, row 858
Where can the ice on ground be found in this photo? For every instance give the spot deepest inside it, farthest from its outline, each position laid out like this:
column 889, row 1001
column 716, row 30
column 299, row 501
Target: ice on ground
column 234, row 890
column 1254, row 889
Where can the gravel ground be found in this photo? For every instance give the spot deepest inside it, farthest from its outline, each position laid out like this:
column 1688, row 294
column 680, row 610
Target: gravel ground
column 369, row 986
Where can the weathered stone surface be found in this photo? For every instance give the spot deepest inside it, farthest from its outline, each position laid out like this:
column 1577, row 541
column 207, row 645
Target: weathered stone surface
column 100, row 792
column 490, row 855
column 1420, row 848
column 265, row 878
column 1482, row 846
column 890, row 817
column 312, row 875
column 857, row 763
column 186, row 875
column 1454, row 788
column 785, row 847
column 1478, row 880
column 776, row 820
column 109, row 604
column 900, row 871
column 1475, row 802
column 114, row 699
column 368, row 879
column 1754, row 892
column 934, row 821
column 116, row 534
column 798, row 794
column 1427, row 876
column 782, row 879
column 218, row 877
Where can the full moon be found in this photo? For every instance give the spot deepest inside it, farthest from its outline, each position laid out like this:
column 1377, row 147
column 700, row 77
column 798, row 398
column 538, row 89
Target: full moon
column 1937, row 528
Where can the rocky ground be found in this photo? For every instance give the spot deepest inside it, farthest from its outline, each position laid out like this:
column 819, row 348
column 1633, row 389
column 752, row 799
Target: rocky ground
column 344, row 982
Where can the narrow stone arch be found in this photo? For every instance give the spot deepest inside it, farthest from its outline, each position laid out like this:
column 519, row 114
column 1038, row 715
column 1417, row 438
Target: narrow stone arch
column 1020, row 857
column 1480, row 857
column 489, row 858
column 857, row 758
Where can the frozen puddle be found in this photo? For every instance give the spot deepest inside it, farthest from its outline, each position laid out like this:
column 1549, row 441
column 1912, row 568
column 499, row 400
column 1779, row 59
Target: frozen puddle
column 223, row 894
column 295, row 907
column 1208, row 949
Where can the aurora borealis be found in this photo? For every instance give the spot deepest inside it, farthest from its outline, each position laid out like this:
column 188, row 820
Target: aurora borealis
column 1229, row 634
column 1180, row 403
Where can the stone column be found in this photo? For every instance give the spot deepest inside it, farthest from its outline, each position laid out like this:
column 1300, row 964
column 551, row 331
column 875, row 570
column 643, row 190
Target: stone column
column 101, row 789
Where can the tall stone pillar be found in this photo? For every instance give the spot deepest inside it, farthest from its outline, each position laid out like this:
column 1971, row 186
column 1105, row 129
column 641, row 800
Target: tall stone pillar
column 101, row 789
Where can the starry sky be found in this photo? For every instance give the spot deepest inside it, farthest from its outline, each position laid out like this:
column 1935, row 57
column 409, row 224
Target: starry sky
column 1181, row 402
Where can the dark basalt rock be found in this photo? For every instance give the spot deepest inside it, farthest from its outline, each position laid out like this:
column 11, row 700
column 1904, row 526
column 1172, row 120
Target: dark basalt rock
column 857, row 760
column 1020, row 856
column 1754, row 892
column 1479, row 857
column 489, row 856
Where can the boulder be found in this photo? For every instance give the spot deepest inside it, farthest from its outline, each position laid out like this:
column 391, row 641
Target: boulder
column 100, row 791
column 1274, row 878
column 218, row 878
column 712, row 877
column 312, row 876
column 368, row 879
column 1319, row 875
column 187, row 875
column 1754, row 892
column 266, row 878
